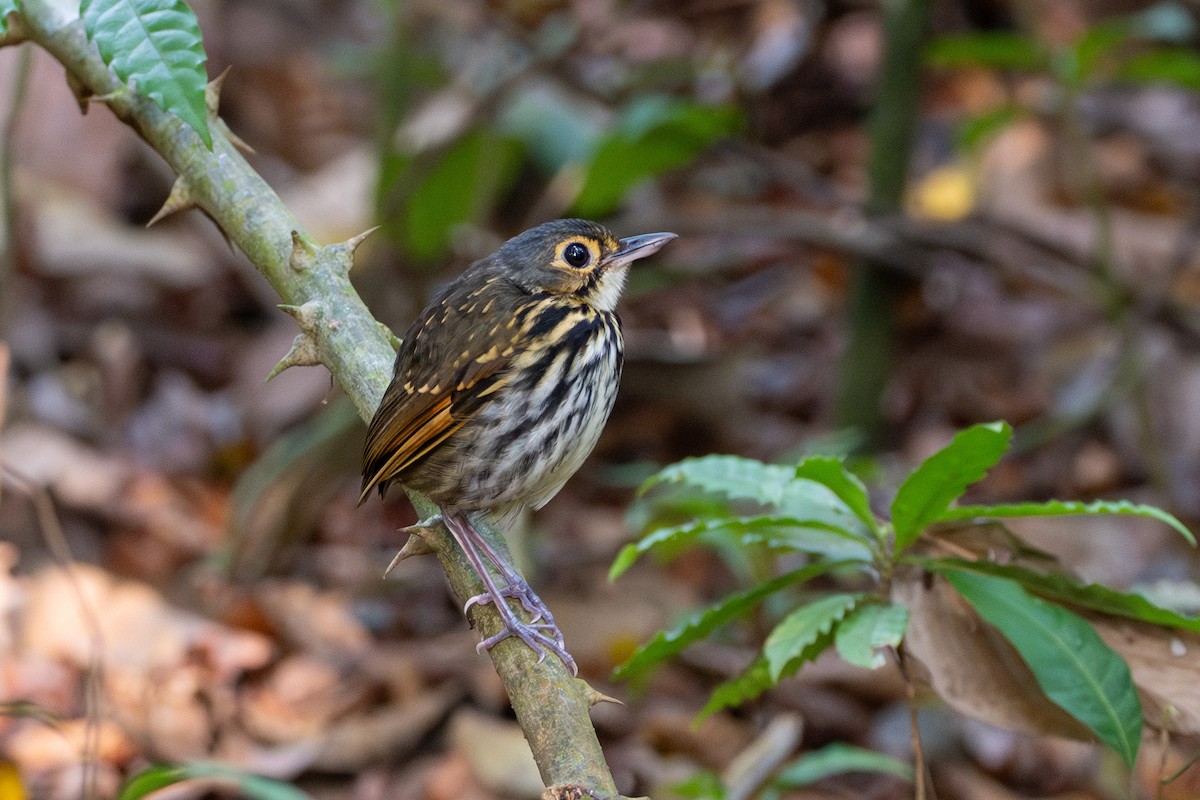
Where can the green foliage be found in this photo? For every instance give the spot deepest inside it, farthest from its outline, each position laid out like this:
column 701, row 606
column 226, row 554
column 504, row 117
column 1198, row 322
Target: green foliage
column 942, row 478
column 460, row 186
column 697, row 626
column 821, row 510
column 6, row 7
column 1072, row 664
column 995, row 49
column 250, row 787
column 834, row 759
column 155, row 47
column 1175, row 65
column 654, row 134
column 806, row 632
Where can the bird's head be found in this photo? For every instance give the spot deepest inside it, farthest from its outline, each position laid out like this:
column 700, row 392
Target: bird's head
column 575, row 257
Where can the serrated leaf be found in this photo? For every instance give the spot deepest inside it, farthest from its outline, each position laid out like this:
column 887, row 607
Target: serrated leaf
column 765, row 484
column 866, row 630
column 832, row 473
column 942, row 478
column 994, row 49
column 730, row 476
column 1066, row 508
column 792, row 638
column 699, row 625
column 1072, row 664
column 250, row 787
column 1065, row 589
column 793, row 533
column 155, row 46
column 835, row 759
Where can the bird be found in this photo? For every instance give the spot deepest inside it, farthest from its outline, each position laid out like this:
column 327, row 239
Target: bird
column 500, row 390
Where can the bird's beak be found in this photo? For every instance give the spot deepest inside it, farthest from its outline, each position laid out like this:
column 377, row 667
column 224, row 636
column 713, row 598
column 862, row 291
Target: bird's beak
column 635, row 247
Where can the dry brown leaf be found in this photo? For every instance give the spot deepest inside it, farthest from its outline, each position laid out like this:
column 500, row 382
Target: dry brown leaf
column 498, row 754
column 971, row 666
column 318, row 622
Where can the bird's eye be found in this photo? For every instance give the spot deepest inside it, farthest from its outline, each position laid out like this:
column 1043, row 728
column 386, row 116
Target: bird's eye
column 576, row 255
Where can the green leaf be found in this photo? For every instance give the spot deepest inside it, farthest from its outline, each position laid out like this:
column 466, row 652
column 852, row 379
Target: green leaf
column 791, row 642
column 461, row 187
column 704, row 785
column 752, row 682
column 765, row 484
column 978, row 130
column 1065, row 508
column 943, row 477
column 1072, row 664
column 1180, row 67
column 792, row 533
column 836, row 758
column 250, row 787
column 832, row 473
column 654, row 134
column 155, row 47
column 1065, row 589
column 667, row 643
column 6, row 7
column 731, row 476
column 994, row 49
column 866, row 630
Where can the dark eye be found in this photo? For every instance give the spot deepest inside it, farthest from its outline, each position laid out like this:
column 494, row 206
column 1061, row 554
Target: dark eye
column 576, row 254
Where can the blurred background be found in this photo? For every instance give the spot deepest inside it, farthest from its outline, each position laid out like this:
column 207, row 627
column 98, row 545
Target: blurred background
column 895, row 219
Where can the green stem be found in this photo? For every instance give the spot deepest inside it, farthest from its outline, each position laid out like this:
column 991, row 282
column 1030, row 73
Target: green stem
column 867, row 362
column 552, row 706
column 8, row 189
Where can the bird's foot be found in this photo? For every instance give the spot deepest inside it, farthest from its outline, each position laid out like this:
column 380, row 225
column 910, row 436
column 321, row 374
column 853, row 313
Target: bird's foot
column 540, row 634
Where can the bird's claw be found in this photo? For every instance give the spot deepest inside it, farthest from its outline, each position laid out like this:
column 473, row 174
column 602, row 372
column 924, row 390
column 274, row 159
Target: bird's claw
column 539, row 634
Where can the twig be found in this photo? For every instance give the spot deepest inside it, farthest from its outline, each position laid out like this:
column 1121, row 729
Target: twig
column 8, row 201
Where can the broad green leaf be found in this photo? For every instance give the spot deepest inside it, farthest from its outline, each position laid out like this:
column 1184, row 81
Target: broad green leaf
column 1065, row 589
column 250, row 787
column 1180, row 67
column 1065, row 508
column 832, row 473
column 730, row 476
column 993, row 49
column 765, row 484
column 943, row 477
column 836, row 758
column 460, row 188
column 667, row 643
column 978, row 130
column 792, row 639
column 704, row 785
column 792, row 533
column 866, row 630
column 654, row 134
column 155, row 47
column 752, row 682
column 1072, row 664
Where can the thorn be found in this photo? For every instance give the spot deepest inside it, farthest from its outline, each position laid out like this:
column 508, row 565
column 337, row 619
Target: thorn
column 303, row 253
column 596, row 697
column 415, row 546
column 354, row 241
column 344, row 251
column 305, row 315
column 212, row 93
column 303, row 353
column 180, row 199
column 236, row 140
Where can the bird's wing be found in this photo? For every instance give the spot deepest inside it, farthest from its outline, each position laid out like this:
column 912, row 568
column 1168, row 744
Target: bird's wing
column 442, row 377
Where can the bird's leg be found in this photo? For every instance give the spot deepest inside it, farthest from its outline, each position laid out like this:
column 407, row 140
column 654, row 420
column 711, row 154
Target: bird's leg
column 533, row 634
column 517, row 588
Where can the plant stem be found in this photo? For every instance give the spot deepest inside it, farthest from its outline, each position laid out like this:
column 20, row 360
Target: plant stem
column 867, row 362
